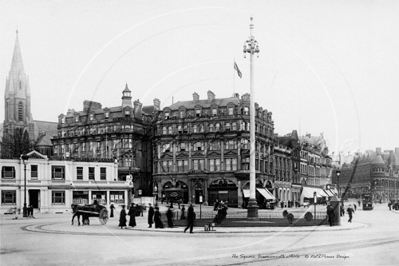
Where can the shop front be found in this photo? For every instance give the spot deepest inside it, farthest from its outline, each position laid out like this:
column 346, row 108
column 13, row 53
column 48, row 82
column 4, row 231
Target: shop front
column 223, row 190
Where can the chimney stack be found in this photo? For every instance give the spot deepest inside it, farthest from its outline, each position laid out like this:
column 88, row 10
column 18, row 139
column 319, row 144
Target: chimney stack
column 137, row 109
column 195, row 97
column 211, row 96
column 397, row 151
column 157, row 104
column 378, row 151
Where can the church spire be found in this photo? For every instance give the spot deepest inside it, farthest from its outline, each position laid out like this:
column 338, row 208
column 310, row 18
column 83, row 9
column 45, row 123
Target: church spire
column 17, row 65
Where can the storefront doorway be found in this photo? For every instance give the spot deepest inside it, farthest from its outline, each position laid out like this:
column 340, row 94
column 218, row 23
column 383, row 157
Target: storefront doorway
column 223, row 190
column 34, row 198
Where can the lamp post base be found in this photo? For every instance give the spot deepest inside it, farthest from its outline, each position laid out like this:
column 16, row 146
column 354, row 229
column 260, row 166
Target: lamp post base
column 25, row 211
column 252, row 209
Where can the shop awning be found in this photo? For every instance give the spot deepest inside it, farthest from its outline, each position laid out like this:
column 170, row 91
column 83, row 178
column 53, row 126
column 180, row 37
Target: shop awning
column 265, row 193
column 334, row 191
column 329, row 193
column 307, row 192
column 246, row 193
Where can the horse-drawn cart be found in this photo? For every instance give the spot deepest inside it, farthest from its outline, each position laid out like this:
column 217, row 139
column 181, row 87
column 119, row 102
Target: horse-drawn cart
column 87, row 211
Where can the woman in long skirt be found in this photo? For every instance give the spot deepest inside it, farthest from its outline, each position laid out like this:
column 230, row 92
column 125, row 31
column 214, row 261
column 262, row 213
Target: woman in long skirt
column 112, row 207
column 132, row 214
column 157, row 218
column 122, row 218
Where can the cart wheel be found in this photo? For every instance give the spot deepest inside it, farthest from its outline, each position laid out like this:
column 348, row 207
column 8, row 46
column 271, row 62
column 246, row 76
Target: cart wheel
column 103, row 216
column 103, row 221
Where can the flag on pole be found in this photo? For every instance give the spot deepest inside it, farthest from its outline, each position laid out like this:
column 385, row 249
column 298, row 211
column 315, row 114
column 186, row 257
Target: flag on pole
column 238, row 70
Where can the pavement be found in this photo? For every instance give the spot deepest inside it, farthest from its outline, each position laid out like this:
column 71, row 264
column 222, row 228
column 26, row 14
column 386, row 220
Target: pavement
column 61, row 224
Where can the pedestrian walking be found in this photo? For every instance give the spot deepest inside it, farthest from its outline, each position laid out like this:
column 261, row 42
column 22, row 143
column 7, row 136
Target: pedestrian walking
column 358, row 202
column 190, row 219
column 389, row 205
column 157, row 218
column 112, row 207
column 169, row 216
column 183, row 214
column 31, row 212
column 150, row 216
column 350, row 212
column 354, row 205
column 342, row 210
column 122, row 218
column 132, row 215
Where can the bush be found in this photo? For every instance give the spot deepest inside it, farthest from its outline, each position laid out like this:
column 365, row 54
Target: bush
column 290, row 218
column 308, row 216
column 285, row 213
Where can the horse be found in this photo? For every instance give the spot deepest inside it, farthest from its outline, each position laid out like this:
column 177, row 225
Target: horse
column 79, row 210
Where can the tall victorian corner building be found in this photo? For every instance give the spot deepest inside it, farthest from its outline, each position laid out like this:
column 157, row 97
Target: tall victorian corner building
column 201, row 149
column 121, row 134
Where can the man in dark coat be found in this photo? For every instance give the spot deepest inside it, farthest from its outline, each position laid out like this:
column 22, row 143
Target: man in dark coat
column 157, row 218
column 331, row 214
column 132, row 214
column 190, row 219
column 150, row 216
column 122, row 218
column 169, row 216
column 350, row 212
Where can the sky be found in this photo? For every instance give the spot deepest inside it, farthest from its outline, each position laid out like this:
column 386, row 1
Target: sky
column 324, row 67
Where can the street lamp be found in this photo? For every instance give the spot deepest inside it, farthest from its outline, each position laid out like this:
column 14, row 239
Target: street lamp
column 25, row 158
column 251, row 46
column 338, row 173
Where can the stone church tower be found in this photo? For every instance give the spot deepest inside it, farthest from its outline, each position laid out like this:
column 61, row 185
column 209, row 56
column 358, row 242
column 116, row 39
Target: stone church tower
column 17, row 97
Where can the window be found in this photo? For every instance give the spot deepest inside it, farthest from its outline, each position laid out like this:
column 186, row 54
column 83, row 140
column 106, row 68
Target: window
column 230, row 111
column 198, row 112
column 106, row 114
column 217, row 127
column 164, row 130
column 195, row 128
column 79, row 173
column 182, row 146
column 214, row 146
column 244, row 144
column 33, row 171
column 77, row 118
column 214, row 165
column 127, row 112
column 230, row 145
column 91, row 117
column 167, row 114
column 214, row 112
column 246, row 111
column 227, row 126
column 198, row 146
column 180, row 129
column 231, row 164
column 8, row 197
column 20, row 111
column 8, row 172
column 91, row 173
column 211, row 128
column 234, row 126
column 182, row 114
column 170, row 130
column 182, row 166
column 198, row 164
column 103, row 173
column 58, row 197
column 166, row 148
column 117, row 197
column 58, row 172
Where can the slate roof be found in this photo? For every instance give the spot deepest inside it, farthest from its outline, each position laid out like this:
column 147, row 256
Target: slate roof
column 44, row 132
column 204, row 103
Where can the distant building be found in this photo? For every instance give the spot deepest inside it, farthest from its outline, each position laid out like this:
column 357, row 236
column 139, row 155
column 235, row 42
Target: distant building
column 201, row 150
column 53, row 185
column 376, row 172
column 17, row 104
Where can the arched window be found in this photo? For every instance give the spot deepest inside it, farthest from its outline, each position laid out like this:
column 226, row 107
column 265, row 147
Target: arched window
column 20, row 111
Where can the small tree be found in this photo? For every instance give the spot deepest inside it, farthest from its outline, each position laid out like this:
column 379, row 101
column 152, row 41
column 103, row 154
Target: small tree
column 13, row 145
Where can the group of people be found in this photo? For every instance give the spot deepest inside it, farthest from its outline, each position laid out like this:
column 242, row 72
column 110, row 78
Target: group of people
column 331, row 214
column 154, row 217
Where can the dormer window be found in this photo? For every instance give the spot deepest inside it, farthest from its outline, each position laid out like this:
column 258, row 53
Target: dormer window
column 214, row 112
column 63, row 120
column 91, row 117
column 106, row 114
column 167, row 114
column 182, row 114
column 77, row 118
column 127, row 112
column 246, row 111
column 230, row 111
column 198, row 113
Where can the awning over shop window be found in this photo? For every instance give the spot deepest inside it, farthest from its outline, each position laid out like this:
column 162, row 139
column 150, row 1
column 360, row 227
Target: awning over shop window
column 265, row 193
column 329, row 193
column 334, row 191
column 307, row 192
column 246, row 193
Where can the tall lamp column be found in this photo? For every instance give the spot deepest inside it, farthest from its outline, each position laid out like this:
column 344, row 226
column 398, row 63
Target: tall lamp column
column 25, row 161
column 251, row 47
column 338, row 173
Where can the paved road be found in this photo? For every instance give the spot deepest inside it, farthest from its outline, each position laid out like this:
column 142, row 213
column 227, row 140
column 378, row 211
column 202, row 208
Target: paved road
column 51, row 240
